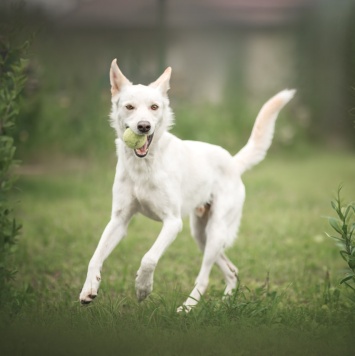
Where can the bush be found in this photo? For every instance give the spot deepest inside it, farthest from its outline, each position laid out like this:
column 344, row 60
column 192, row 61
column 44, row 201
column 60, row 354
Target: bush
column 12, row 81
column 344, row 226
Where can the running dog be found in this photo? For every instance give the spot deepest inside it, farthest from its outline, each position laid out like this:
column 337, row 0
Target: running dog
column 169, row 178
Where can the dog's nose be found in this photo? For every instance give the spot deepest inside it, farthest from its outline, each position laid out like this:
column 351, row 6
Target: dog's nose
column 143, row 126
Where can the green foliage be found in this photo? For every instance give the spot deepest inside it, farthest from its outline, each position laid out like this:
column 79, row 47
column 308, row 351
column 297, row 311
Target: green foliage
column 344, row 226
column 12, row 81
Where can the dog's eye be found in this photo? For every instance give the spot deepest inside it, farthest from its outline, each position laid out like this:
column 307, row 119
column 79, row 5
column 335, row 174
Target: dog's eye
column 154, row 107
column 129, row 107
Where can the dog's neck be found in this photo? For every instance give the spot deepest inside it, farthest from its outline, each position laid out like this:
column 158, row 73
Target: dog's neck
column 136, row 167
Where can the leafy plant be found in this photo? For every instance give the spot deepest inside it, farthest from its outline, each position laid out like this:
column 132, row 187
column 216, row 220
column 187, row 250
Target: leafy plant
column 12, row 79
column 344, row 226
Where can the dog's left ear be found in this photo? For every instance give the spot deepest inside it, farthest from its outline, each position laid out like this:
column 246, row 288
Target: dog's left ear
column 163, row 82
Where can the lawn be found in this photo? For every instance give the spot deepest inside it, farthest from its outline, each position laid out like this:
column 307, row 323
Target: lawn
column 288, row 302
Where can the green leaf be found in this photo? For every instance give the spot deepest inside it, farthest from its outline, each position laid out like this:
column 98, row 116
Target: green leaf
column 351, row 263
column 347, row 278
column 334, row 206
column 335, row 224
column 344, row 254
column 347, row 211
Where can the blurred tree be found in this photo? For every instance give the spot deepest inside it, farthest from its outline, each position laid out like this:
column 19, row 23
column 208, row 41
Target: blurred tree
column 162, row 34
column 327, row 44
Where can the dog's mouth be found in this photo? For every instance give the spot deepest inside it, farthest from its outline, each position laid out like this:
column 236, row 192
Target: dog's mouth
column 143, row 151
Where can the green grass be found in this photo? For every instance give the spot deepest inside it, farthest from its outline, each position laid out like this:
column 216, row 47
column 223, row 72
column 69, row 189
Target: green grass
column 289, row 300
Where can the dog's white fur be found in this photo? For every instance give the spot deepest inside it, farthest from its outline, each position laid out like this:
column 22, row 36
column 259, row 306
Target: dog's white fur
column 174, row 179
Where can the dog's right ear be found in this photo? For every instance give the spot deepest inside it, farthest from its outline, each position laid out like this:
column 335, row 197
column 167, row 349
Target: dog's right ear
column 117, row 79
column 162, row 82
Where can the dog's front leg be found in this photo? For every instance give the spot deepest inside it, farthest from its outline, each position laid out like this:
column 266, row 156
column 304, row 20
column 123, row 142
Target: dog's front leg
column 144, row 279
column 112, row 235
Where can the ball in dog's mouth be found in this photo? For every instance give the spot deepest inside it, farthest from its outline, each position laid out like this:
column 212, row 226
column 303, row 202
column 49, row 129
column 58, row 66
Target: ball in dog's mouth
column 133, row 140
column 143, row 151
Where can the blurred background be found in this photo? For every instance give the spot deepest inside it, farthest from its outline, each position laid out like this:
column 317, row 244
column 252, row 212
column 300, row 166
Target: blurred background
column 228, row 57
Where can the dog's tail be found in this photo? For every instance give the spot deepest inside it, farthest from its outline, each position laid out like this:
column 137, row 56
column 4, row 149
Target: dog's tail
column 260, row 139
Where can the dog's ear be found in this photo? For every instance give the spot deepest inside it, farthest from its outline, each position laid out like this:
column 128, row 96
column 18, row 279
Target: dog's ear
column 117, row 79
column 163, row 82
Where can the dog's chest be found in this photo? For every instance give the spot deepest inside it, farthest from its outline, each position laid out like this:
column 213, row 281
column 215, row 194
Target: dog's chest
column 150, row 200
column 150, row 189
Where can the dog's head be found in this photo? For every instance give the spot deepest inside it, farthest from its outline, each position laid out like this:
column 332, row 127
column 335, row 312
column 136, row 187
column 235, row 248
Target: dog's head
column 144, row 109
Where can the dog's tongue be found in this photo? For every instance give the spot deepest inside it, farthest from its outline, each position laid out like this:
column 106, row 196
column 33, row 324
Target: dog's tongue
column 143, row 150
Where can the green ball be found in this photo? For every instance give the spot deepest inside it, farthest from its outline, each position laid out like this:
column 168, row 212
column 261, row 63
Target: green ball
column 132, row 140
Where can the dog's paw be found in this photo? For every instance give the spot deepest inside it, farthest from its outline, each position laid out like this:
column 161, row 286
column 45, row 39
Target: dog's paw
column 144, row 284
column 89, row 291
column 184, row 309
column 142, row 293
column 87, row 297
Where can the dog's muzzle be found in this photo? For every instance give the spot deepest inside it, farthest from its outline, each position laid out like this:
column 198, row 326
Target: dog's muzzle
column 143, row 151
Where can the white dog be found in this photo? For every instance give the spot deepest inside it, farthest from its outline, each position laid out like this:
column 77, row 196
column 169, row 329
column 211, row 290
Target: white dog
column 169, row 178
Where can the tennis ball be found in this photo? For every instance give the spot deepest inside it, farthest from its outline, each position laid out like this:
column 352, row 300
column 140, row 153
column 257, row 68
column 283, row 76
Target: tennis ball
column 132, row 140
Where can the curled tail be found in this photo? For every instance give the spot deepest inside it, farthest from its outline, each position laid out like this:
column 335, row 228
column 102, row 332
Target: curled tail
column 263, row 131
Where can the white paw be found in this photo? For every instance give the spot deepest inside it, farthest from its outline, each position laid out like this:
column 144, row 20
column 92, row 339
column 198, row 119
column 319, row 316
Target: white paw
column 144, row 284
column 89, row 291
column 142, row 293
column 87, row 297
column 228, row 292
column 184, row 309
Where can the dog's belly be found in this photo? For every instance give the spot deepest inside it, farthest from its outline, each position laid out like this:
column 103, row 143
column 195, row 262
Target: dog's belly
column 157, row 204
column 198, row 197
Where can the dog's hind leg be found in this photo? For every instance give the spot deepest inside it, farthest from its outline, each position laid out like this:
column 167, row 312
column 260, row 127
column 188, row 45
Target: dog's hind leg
column 198, row 225
column 212, row 250
column 211, row 233
column 230, row 272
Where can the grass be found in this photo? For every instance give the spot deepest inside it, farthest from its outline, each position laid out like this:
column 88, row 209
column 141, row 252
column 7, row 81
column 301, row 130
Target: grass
column 289, row 299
